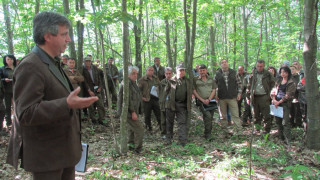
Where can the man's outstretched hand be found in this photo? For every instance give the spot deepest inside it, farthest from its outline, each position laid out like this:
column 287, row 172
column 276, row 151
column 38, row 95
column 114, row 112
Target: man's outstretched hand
column 76, row 102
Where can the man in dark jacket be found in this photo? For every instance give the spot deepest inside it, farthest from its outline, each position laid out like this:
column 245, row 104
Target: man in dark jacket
column 260, row 84
column 158, row 69
column 93, row 84
column 46, row 128
column 149, row 83
column 229, row 92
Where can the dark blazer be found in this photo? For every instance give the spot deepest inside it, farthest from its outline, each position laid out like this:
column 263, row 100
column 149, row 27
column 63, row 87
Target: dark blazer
column 45, row 133
column 89, row 84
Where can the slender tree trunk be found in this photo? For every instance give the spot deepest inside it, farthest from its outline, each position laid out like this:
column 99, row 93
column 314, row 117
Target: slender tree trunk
column 235, row 38
column 266, row 34
column 245, row 35
column 168, row 44
column 213, row 57
column 124, row 114
column 175, row 45
column 310, row 18
column 186, row 10
column 80, row 27
column 95, row 32
column 137, row 37
column 72, row 49
column 5, row 5
column 260, row 41
column 37, row 8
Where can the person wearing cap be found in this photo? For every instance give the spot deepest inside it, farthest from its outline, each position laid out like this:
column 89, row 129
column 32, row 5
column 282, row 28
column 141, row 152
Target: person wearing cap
column 64, row 61
column 159, row 70
column 73, row 74
column 179, row 105
column 260, row 85
column 162, row 99
column 204, row 89
column 150, row 101
column 46, row 129
column 229, row 92
column 112, row 73
column 93, row 86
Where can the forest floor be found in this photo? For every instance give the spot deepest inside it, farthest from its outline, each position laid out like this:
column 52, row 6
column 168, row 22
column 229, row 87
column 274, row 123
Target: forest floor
column 226, row 157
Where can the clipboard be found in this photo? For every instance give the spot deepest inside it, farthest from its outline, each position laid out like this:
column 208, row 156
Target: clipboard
column 81, row 166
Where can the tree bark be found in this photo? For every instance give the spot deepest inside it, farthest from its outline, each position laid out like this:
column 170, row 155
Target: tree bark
column 72, row 49
column 9, row 32
column 37, row 8
column 213, row 57
column 137, row 38
column 245, row 36
column 310, row 18
column 168, row 44
column 124, row 113
column 96, row 33
column 234, row 38
column 80, row 27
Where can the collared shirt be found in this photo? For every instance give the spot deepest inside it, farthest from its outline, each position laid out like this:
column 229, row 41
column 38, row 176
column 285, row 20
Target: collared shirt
column 91, row 74
column 204, row 88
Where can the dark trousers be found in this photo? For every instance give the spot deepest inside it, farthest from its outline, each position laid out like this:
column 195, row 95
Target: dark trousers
column 2, row 111
column 100, row 108
column 163, row 123
column 181, row 113
column 8, row 103
column 295, row 115
column 207, row 120
column 152, row 105
column 284, row 129
column 247, row 112
column 61, row 174
column 262, row 111
column 239, row 106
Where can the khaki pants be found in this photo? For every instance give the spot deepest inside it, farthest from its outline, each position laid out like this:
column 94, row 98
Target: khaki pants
column 233, row 107
column 135, row 134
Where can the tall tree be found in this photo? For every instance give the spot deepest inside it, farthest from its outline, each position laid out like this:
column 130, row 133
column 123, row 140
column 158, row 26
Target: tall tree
column 6, row 13
column 72, row 49
column 310, row 19
column 137, row 36
column 125, row 47
column 80, row 28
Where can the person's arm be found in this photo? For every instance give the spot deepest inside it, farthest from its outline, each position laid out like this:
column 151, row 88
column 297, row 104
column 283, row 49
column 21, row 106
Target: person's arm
column 31, row 106
column 239, row 87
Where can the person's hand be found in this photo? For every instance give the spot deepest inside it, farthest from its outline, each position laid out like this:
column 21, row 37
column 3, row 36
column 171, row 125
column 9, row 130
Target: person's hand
column 205, row 101
column 76, row 102
column 217, row 99
column 239, row 97
column 91, row 93
column 134, row 116
column 7, row 80
column 144, row 99
column 248, row 101
column 99, row 89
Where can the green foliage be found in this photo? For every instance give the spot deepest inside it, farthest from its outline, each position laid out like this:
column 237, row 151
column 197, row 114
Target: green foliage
column 298, row 172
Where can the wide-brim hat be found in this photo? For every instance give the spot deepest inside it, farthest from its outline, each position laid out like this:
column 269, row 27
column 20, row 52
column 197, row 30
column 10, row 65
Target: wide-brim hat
column 88, row 58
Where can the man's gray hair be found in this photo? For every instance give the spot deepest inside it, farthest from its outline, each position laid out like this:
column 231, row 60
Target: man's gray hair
column 47, row 22
column 131, row 68
column 168, row 69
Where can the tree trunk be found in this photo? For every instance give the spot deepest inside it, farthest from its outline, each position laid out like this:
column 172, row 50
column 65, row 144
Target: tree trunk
column 213, row 57
column 310, row 18
column 266, row 34
column 124, row 113
column 187, row 43
column 72, row 49
column 37, row 8
column 80, row 28
column 169, row 55
column 96, row 33
column 245, row 35
column 234, row 38
column 260, row 41
column 9, row 32
column 137, row 38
